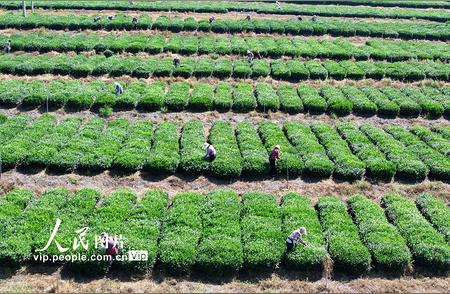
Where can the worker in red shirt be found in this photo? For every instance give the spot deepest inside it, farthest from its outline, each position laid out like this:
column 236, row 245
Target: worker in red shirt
column 109, row 245
column 274, row 157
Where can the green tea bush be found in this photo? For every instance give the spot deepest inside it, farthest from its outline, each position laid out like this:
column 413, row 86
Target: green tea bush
column 438, row 96
column 254, row 155
column 313, row 154
column 430, row 107
column 37, row 221
column 164, row 154
column 13, row 126
column 438, row 164
column 408, row 165
column 385, row 106
column 346, row 165
column 337, row 103
column 260, row 68
column 297, row 69
column 181, row 232
column 223, row 98
column 290, row 161
column 262, row 239
column 428, row 247
column 436, row 141
column 313, row 102
column 377, row 166
column 362, row 105
column 387, row 246
column 153, row 97
column 191, row 148
column 341, row 235
column 408, row 107
column 220, row 249
column 243, row 97
column 436, row 212
column 109, row 217
column 228, row 163
column 136, row 148
column 280, row 70
column 267, row 97
column 316, row 70
column 335, row 70
column 290, row 102
column 202, row 97
column 142, row 230
column 298, row 212
column 177, row 97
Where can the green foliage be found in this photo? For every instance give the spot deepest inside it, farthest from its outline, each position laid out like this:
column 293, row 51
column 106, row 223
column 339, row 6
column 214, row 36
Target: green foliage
column 387, row 246
column 191, row 148
column 428, row 247
column 341, row 235
column 298, row 212
column 220, row 249
column 181, row 233
column 164, row 154
column 436, row 212
column 243, row 98
column 262, row 239
column 177, row 97
column 254, row 155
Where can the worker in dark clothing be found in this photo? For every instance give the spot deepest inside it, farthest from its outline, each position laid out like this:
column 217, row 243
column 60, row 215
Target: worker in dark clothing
column 210, row 151
column 248, row 17
column 97, row 18
column 134, row 20
column 258, row 54
column 211, row 19
column 274, row 157
column 314, row 18
column 110, row 17
column 176, row 61
column 250, row 56
column 294, row 238
column 8, row 47
column 118, row 88
column 277, row 3
column 300, row 18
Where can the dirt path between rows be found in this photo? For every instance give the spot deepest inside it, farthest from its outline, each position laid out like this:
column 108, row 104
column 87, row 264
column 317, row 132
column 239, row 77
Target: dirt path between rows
column 36, row 282
column 106, row 181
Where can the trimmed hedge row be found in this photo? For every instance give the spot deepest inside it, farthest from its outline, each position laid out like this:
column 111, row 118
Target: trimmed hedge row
column 338, row 49
column 181, row 233
column 387, row 246
column 164, row 153
column 428, row 247
column 228, row 163
column 298, row 212
column 347, row 166
column 12, row 127
column 191, row 148
column 220, row 249
column 306, row 144
column 265, row 8
column 254, row 155
column 290, row 162
column 142, row 230
column 144, row 67
column 434, row 140
column 443, row 130
column 436, row 212
column 341, row 235
column 335, row 27
column 35, row 223
column 262, row 239
column 241, row 97
column 377, row 166
column 409, row 167
column 438, row 164
column 109, row 217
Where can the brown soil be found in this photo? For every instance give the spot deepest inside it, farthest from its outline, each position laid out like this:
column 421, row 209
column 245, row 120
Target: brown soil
column 35, row 282
column 229, row 15
column 106, row 181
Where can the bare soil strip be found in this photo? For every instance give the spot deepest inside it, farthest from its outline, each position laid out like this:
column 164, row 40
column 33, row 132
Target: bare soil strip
column 107, row 181
column 28, row 281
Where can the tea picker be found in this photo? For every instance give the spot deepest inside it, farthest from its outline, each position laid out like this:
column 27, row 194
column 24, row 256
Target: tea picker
column 8, row 47
column 248, row 17
column 97, row 18
column 118, row 88
column 296, row 237
column 176, row 61
column 277, row 3
column 250, row 56
column 210, row 151
column 134, row 20
column 274, row 157
column 109, row 245
column 211, row 19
